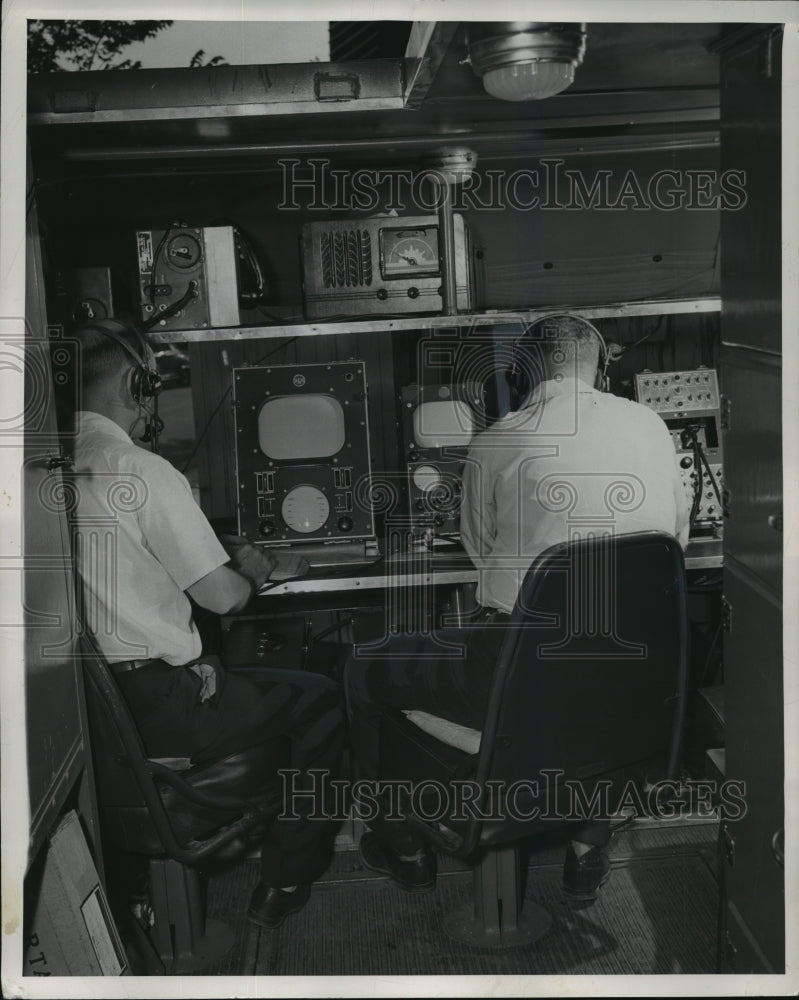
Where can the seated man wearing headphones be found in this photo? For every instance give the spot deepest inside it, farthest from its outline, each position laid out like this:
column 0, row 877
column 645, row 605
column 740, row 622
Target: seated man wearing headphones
column 566, row 430
column 137, row 606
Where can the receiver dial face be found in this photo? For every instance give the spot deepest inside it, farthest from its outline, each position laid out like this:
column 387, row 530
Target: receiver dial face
column 409, row 252
column 305, row 509
column 183, row 251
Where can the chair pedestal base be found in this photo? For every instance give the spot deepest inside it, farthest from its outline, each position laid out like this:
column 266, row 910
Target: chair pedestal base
column 213, row 944
column 185, row 941
column 494, row 918
column 532, row 923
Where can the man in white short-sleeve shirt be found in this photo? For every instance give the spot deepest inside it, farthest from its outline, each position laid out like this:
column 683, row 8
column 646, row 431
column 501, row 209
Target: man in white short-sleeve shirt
column 571, row 459
column 143, row 547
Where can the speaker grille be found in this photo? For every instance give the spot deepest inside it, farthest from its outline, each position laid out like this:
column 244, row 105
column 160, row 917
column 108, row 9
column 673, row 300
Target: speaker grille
column 346, row 256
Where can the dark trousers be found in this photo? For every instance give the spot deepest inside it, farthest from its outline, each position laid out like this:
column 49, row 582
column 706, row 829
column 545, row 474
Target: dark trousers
column 418, row 674
column 249, row 707
column 415, row 672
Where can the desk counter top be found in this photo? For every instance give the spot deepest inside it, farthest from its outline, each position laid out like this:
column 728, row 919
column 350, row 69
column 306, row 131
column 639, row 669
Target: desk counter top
column 438, row 568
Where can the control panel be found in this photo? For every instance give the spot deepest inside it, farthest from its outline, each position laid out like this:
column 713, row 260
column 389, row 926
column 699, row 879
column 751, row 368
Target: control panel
column 303, row 459
column 438, row 423
column 690, row 404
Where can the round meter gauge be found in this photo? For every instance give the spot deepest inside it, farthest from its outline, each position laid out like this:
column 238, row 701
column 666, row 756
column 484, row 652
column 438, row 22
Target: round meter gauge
column 409, row 252
column 305, row 509
column 426, row 477
column 183, row 251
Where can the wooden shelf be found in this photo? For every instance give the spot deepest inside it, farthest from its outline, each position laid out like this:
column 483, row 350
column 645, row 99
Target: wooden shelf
column 398, row 324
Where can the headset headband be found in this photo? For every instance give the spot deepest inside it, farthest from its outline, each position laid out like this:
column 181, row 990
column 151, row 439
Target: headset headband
column 603, row 350
column 604, row 356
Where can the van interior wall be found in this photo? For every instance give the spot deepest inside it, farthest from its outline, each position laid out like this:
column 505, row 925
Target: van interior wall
column 555, row 254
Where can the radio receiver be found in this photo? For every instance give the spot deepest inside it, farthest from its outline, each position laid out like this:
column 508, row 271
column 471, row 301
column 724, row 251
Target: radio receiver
column 302, row 459
column 188, row 277
column 383, row 266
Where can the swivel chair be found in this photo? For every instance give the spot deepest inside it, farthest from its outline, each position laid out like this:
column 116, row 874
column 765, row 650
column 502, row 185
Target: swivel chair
column 176, row 814
column 588, row 691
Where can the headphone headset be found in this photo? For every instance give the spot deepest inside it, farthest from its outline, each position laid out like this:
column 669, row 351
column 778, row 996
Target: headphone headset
column 145, row 382
column 601, row 380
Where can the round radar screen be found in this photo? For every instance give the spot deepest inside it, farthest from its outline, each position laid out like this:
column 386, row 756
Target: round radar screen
column 305, row 509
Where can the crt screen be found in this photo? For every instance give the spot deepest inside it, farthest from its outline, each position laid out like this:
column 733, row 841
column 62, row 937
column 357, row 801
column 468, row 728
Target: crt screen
column 444, row 423
column 297, row 427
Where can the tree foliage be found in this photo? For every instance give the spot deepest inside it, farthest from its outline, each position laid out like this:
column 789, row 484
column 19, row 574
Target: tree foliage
column 92, row 45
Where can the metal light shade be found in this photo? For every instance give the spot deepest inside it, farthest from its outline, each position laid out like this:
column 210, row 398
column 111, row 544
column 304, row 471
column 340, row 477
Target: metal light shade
column 526, row 60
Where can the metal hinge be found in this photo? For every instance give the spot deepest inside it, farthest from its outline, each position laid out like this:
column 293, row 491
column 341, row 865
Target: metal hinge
column 775, row 522
column 726, row 615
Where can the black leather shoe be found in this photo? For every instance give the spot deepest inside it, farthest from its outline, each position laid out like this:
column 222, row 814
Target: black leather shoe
column 415, row 875
column 583, row 876
column 269, row 906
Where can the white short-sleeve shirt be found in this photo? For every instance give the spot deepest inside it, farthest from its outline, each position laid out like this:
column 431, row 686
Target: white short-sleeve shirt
column 141, row 542
column 573, row 461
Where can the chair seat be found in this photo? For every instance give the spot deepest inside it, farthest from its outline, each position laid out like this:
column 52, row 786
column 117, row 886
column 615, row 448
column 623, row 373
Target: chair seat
column 249, row 775
column 451, row 733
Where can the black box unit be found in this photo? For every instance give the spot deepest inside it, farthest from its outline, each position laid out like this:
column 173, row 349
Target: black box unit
column 82, row 295
column 190, row 268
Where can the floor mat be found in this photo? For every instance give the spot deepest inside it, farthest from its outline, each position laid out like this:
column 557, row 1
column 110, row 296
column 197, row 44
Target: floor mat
column 656, row 915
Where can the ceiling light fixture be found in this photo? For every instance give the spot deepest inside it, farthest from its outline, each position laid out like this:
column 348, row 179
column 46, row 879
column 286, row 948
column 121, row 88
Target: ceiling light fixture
column 526, row 60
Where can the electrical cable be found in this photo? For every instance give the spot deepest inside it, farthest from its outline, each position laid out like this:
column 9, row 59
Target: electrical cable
column 248, row 254
column 190, row 293
column 156, row 255
column 698, row 485
column 646, row 336
column 204, row 431
column 711, row 650
column 274, row 351
column 712, row 478
column 155, row 426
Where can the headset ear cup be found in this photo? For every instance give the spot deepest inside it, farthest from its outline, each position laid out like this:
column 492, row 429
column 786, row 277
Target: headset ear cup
column 135, row 383
column 152, row 381
column 144, row 383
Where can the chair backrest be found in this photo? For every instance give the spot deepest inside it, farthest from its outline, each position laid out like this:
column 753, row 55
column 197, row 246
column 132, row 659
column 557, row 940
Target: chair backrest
column 148, row 808
column 591, row 677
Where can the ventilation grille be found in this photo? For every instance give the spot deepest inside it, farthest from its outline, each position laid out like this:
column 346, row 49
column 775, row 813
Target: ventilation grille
column 346, row 258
